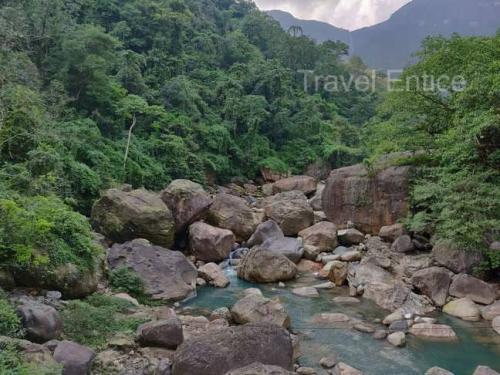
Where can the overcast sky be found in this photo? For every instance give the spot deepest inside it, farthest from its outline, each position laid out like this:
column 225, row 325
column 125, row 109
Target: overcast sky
column 348, row 14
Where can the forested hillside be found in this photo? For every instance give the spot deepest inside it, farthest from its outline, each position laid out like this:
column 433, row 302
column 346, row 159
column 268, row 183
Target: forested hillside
column 209, row 89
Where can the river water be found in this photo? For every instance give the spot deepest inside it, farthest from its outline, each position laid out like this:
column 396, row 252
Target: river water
column 478, row 344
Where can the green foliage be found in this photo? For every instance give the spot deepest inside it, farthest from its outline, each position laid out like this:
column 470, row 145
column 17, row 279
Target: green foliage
column 12, row 363
column 93, row 321
column 42, row 231
column 10, row 324
column 124, row 280
column 456, row 134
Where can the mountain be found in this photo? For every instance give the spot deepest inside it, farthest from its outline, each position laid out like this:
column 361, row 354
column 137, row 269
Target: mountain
column 391, row 44
column 317, row 30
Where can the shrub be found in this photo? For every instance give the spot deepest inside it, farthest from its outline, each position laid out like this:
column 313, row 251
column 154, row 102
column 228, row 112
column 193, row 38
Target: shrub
column 11, row 363
column 124, row 280
column 10, row 324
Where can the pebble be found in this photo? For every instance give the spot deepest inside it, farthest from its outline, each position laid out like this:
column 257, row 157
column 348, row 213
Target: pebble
column 397, row 339
column 328, row 362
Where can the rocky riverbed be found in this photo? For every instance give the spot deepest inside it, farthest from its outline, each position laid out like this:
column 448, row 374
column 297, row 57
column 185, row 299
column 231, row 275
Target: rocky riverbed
column 288, row 277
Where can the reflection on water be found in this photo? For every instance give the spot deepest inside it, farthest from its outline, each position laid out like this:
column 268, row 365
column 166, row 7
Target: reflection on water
column 478, row 344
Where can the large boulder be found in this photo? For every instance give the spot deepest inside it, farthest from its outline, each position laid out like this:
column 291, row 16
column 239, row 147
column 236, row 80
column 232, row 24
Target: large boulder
column 257, row 309
column 463, row 308
column 316, row 201
column 291, row 211
column 455, row 259
column 491, row 311
column 350, row 236
column 390, row 232
column 433, row 331
column 305, row 184
column 434, row 282
column 232, row 348
column 41, row 322
column 161, row 333
column 495, row 324
column 262, row 266
column 321, row 237
column 76, row 359
column 270, row 237
column 214, row 275
column 260, row 369
column 125, row 215
column 403, row 244
column 210, row 244
column 188, row 202
column 477, row 290
column 233, row 213
column 484, row 370
column 167, row 275
column 369, row 200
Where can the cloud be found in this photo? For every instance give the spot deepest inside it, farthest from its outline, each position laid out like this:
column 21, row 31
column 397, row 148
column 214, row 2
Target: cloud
column 348, row 14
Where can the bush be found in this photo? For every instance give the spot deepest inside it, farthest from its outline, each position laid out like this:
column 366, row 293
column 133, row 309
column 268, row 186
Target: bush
column 124, row 280
column 93, row 321
column 11, row 363
column 10, row 324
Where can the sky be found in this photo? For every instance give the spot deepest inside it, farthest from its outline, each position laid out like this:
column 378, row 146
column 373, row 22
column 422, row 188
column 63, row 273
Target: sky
column 348, row 14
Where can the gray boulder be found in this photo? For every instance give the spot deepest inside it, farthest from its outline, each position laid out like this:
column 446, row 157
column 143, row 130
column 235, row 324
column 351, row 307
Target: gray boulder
column 76, row 359
column 265, row 231
column 262, row 266
column 258, row 309
column 41, row 322
column 167, row 274
column 125, row 215
column 450, row 256
column 438, row 371
column 434, row 282
column 188, row 202
column 403, row 244
column 260, row 369
column 491, row 311
column 350, row 236
column 305, row 184
column 291, row 211
column 477, row 290
column 484, row 370
column 233, row 213
column 210, row 244
column 321, row 237
column 214, row 275
column 233, row 348
column 390, row 232
column 287, row 246
column 161, row 333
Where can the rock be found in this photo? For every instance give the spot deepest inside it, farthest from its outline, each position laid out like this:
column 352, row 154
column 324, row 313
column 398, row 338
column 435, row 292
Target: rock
column 433, row 331
column 187, row 200
column 346, row 300
column 161, row 333
column 305, row 184
column 287, row 246
column 319, row 216
column 491, row 311
column 167, row 275
column 305, row 265
column 75, row 358
column 351, row 256
column 291, row 211
column 327, row 285
column 127, row 297
column 232, row 348
column 267, row 190
column 423, row 319
column 369, row 201
column 305, row 291
column 495, row 324
column 220, row 313
column 434, row 282
column 261, row 266
column 316, row 201
column 265, row 231
column 438, row 371
column 252, row 292
column 477, row 290
column 258, row 309
column 260, row 369
column 349, row 237
column 403, row 244
column 344, row 369
column 210, row 244
column 398, row 326
column 200, row 282
column 484, row 370
column 233, row 213
column 41, row 322
column 214, row 275
column 393, row 317
column 363, row 327
column 397, row 339
column 380, row 334
column 321, row 237
column 337, row 273
column 305, row 371
column 123, row 216
column 329, row 362
column 390, row 232
column 450, row 256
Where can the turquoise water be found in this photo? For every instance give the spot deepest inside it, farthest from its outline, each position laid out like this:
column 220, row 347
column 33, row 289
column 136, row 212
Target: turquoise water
column 477, row 345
